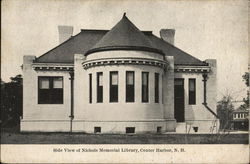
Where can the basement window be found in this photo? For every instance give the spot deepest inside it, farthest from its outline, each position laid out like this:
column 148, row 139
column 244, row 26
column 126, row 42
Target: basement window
column 130, row 130
column 97, row 129
column 50, row 90
column 158, row 129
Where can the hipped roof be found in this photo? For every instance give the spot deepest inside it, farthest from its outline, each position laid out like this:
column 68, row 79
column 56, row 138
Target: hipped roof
column 124, row 35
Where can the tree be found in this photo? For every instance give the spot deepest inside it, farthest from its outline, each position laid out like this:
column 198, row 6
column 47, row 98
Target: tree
column 246, row 99
column 246, row 78
column 11, row 102
column 224, row 111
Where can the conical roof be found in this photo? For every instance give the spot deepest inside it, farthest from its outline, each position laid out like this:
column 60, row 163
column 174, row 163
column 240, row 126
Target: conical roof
column 124, row 36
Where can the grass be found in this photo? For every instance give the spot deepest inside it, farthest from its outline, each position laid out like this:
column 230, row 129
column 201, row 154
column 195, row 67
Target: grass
column 14, row 137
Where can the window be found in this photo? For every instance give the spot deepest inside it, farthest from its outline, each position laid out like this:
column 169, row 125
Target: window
column 158, row 129
column 162, row 93
column 156, row 87
column 50, row 90
column 90, row 88
column 113, row 90
column 192, row 90
column 97, row 129
column 144, row 86
column 130, row 87
column 130, row 129
column 99, row 87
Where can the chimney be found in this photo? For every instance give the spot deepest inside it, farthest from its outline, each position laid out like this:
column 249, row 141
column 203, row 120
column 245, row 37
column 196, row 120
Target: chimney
column 65, row 32
column 168, row 35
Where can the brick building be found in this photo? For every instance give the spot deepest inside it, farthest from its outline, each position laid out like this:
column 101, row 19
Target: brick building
column 121, row 80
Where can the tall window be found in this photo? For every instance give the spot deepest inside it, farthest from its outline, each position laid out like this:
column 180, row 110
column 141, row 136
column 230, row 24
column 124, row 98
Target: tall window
column 156, row 87
column 162, row 93
column 144, row 86
column 50, row 90
column 99, row 87
column 192, row 92
column 130, row 86
column 90, row 88
column 113, row 91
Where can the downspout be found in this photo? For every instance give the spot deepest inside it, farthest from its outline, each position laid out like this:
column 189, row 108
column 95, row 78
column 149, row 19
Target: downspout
column 205, row 77
column 71, row 73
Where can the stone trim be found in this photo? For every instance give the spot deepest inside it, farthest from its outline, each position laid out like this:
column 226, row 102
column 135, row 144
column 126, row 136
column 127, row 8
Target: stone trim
column 52, row 67
column 125, row 61
column 192, row 69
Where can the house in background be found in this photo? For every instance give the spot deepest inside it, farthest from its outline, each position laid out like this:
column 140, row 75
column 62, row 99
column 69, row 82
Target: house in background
column 240, row 119
column 121, row 80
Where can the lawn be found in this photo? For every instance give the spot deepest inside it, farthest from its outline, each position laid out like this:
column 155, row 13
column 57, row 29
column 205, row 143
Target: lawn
column 12, row 137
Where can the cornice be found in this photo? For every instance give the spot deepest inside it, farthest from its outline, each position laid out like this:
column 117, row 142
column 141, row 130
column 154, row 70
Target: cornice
column 125, row 61
column 192, row 69
column 53, row 67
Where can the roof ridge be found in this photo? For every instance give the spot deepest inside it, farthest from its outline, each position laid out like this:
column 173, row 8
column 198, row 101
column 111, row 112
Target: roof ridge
column 102, row 30
column 94, row 30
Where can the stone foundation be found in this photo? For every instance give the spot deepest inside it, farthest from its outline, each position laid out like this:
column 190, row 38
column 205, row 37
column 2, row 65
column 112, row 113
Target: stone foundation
column 45, row 125
column 198, row 126
column 119, row 127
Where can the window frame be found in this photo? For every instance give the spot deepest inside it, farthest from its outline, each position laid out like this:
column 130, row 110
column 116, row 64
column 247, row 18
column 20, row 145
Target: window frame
column 113, row 98
column 162, row 88
column 99, row 89
column 90, row 88
column 130, row 88
column 157, row 87
column 191, row 94
column 51, row 91
column 146, row 100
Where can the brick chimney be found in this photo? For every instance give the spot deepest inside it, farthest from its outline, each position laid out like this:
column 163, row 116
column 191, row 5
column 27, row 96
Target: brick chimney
column 65, row 32
column 168, row 35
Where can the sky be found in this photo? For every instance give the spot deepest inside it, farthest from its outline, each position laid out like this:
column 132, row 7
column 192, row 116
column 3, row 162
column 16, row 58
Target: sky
column 212, row 29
